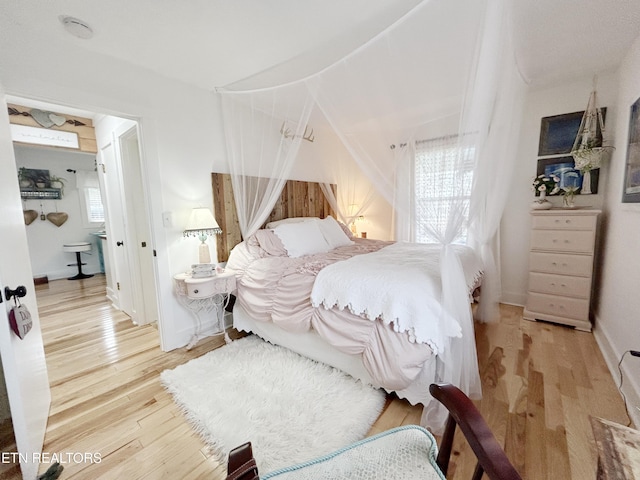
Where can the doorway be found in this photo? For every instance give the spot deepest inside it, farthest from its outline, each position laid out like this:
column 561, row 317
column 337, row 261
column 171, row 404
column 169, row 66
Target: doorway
column 68, row 163
column 122, row 245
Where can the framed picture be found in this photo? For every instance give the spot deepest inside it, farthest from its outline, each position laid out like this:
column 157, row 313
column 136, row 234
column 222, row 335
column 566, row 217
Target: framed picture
column 557, row 133
column 564, row 168
column 631, row 193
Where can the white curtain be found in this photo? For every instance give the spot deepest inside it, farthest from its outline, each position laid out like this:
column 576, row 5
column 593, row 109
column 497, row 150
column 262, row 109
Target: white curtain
column 263, row 132
column 445, row 69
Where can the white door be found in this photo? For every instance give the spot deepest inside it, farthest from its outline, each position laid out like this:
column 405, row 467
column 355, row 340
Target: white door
column 23, row 361
column 115, row 212
column 140, row 245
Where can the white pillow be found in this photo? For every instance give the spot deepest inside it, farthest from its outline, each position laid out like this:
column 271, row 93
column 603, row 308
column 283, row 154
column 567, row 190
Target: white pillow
column 275, row 223
column 304, row 238
column 333, row 233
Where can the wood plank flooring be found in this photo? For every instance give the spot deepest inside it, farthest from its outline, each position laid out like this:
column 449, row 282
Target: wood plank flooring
column 540, row 382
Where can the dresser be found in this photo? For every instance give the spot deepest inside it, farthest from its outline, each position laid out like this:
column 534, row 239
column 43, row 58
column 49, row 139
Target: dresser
column 561, row 260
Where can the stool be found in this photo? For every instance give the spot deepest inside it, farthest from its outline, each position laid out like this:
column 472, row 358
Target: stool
column 77, row 248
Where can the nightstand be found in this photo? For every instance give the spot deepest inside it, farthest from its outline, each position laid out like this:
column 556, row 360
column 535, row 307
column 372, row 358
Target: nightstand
column 205, row 296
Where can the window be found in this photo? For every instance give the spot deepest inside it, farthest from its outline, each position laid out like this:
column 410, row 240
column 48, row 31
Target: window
column 442, row 183
column 94, row 207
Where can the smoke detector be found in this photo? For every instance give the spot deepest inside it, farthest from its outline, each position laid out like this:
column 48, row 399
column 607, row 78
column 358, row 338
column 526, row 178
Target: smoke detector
column 76, row 27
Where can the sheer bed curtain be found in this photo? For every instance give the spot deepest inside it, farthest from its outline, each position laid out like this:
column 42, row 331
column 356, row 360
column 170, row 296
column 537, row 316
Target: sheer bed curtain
column 444, row 59
column 263, row 131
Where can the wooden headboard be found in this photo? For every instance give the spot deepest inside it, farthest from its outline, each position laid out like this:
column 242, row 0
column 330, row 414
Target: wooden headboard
column 298, row 199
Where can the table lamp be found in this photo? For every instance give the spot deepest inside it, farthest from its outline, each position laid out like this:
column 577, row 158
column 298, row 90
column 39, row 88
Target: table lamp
column 201, row 224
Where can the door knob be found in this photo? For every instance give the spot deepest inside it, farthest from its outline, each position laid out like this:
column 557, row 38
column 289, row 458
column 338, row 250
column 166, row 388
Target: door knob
column 119, row 244
column 19, row 292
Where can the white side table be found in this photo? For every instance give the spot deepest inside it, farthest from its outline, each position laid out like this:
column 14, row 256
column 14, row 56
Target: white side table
column 203, row 296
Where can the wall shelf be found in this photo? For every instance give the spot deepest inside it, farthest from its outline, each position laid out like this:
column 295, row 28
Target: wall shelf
column 41, row 193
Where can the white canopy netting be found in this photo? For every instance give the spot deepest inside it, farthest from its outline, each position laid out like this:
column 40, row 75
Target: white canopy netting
column 428, row 113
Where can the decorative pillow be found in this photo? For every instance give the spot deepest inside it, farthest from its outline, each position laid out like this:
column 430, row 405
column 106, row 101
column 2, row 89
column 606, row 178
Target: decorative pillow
column 270, row 243
column 275, row 223
column 304, row 238
column 333, row 233
column 347, row 231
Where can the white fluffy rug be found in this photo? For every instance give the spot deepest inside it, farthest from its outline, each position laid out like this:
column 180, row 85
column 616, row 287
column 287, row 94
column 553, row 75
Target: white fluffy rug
column 291, row 408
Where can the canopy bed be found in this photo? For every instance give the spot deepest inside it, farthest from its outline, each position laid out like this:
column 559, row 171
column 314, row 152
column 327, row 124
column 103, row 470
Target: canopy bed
column 446, row 68
column 395, row 335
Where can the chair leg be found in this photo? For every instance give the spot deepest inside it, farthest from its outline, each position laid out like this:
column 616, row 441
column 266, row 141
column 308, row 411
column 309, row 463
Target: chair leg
column 80, row 274
column 446, row 445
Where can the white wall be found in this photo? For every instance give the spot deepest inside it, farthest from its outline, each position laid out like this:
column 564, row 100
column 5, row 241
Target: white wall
column 516, row 222
column 617, row 326
column 181, row 140
column 46, row 239
column 327, row 160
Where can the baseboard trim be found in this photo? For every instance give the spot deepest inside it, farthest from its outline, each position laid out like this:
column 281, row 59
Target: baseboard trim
column 612, row 358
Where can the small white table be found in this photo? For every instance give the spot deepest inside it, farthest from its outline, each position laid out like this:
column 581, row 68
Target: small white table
column 203, row 296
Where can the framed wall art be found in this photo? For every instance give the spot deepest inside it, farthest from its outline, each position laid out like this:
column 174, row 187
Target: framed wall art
column 564, row 168
column 631, row 192
column 558, row 132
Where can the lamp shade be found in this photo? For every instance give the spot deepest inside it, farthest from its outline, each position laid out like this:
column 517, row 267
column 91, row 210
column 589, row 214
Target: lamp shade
column 201, row 222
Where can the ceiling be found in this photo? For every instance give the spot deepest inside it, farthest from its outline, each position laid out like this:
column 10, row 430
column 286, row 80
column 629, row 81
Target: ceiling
column 212, row 43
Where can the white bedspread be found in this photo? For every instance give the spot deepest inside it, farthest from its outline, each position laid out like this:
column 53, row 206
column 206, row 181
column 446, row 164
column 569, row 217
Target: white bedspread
column 400, row 285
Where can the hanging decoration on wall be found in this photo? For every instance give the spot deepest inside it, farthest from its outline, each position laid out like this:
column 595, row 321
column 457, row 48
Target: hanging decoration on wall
column 42, row 215
column 29, row 216
column 589, row 150
column 306, row 135
column 45, row 118
column 57, row 218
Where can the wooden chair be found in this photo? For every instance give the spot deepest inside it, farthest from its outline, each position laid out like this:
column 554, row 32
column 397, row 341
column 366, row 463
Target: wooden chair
column 382, row 451
column 462, row 412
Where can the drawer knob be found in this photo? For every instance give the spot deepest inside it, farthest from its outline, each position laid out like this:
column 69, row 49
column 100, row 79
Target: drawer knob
column 566, row 241
column 555, row 240
column 563, row 284
column 567, row 221
column 195, row 291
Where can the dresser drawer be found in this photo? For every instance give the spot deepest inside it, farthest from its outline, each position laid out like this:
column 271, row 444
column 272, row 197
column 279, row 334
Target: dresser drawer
column 560, row 285
column 564, row 222
column 562, row 240
column 558, row 306
column 561, row 263
column 208, row 286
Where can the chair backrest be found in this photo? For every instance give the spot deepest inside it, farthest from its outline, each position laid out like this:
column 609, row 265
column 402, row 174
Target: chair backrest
column 492, row 459
column 462, row 412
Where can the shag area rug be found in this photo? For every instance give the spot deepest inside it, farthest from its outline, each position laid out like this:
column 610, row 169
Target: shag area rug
column 291, row 408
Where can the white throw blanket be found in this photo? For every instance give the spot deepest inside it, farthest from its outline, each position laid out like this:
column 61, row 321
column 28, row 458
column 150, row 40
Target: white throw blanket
column 399, row 284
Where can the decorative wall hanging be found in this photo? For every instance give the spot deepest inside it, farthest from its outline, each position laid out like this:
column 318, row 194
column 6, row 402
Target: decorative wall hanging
column 306, row 135
column 44, row 118
column 558, row 132
column 38, row 184
column 46, row 128
column 29, row 216
column 43, row 136
column 589, row 150
column 57, row 218
column 631, row 193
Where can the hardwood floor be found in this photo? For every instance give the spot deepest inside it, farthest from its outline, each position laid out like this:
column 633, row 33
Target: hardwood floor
column 540, row 382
